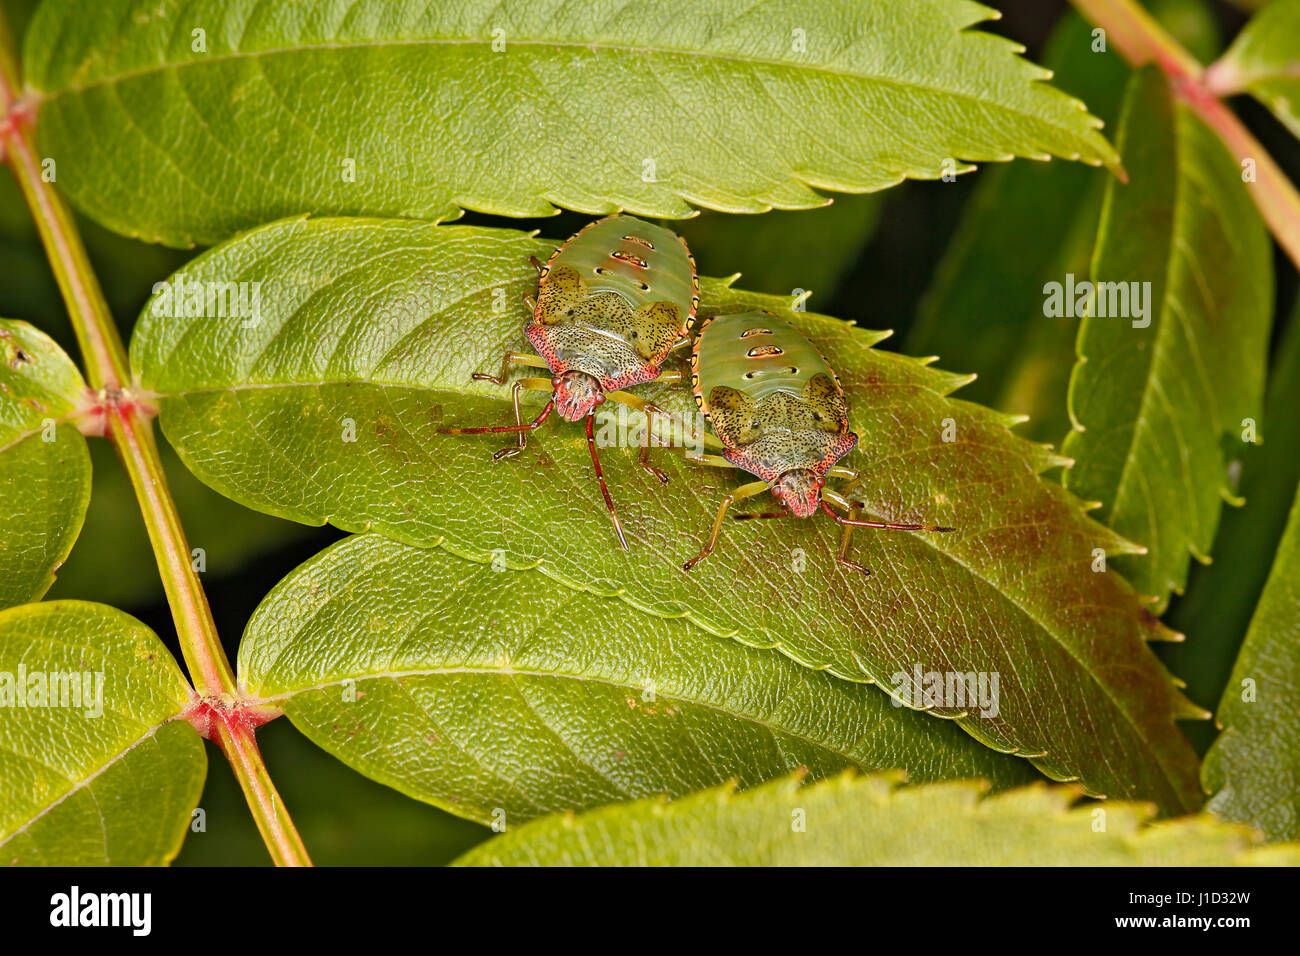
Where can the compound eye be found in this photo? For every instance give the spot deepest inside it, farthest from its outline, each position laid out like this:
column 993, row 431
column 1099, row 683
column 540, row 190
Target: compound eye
column 600, row 398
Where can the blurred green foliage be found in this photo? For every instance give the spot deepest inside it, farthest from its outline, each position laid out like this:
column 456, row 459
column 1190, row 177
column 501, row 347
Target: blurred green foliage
column 344, row 818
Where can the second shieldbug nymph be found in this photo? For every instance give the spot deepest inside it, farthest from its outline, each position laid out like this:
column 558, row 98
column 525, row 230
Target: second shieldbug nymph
column 612, row 302
column 780, row 413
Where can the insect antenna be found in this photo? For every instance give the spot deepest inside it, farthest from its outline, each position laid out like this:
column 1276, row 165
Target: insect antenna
column 500, row 429
column 888, row 525
column 600, row 476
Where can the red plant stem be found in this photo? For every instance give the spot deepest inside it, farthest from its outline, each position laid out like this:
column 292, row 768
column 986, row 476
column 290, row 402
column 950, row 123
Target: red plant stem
column 127, row 423
column 1141, row 40
column 1137, row 35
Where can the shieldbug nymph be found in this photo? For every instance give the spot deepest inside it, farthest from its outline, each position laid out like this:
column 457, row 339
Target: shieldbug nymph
column 779, row 411
column 612, row 302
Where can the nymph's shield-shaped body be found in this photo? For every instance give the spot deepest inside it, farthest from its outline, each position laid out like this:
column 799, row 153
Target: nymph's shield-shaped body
column 612, row 302
column 775, row 403
column 780, row 414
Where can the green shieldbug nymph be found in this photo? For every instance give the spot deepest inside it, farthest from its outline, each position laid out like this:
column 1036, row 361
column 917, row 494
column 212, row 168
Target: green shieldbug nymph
column 780, row 413
column 612, row 302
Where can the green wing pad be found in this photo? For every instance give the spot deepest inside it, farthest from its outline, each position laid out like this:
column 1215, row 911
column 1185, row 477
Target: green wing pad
column 566, row 299
column 561, row 290
column 740, row 419
column 734, row 416
column 655, row 328
column 825, row 401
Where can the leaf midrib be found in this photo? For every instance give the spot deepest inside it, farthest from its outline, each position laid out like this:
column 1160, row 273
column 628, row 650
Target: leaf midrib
column 44, row 96
column 86, row 781
column 1167, row 319
column 511, row 672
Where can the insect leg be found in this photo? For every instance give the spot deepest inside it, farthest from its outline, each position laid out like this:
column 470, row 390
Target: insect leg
column 744, row 491
column 650, row 410
column 715, row 461
column 627, row 398
column 842, row 553
column 600, row 476
column 635, row 401
column 511, row 450
column 841, row 501
column 643, row 457
column 519, row 425
column 760, row 515
column 536, row 384
column 507, row 360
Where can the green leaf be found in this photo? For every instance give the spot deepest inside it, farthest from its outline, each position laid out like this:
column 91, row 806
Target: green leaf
column 1253, row 769
column 44, row 465
column 729, row 105
column 454, row 681
column 871, row 821
column 1264, row 60
column 343, row 818
column 786, row 253
column 369, row 330
column 108, row 777
column 1028, row 224
column 1221, row 596
column 1154, row 406
column 1025, row 225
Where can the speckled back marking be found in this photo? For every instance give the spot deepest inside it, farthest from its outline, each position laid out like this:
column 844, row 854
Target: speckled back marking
column 773, row 400
column 614, row 300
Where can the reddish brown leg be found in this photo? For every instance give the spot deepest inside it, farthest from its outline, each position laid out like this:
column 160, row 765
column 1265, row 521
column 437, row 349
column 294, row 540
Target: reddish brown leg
column 536, row 265
column 887, row 525
column 852, row 522
column 760, row 515
column 518, row 428
column 846, row 534
column 600, row 476
column 643, row 459
column 511, row 450
column 649, row 409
